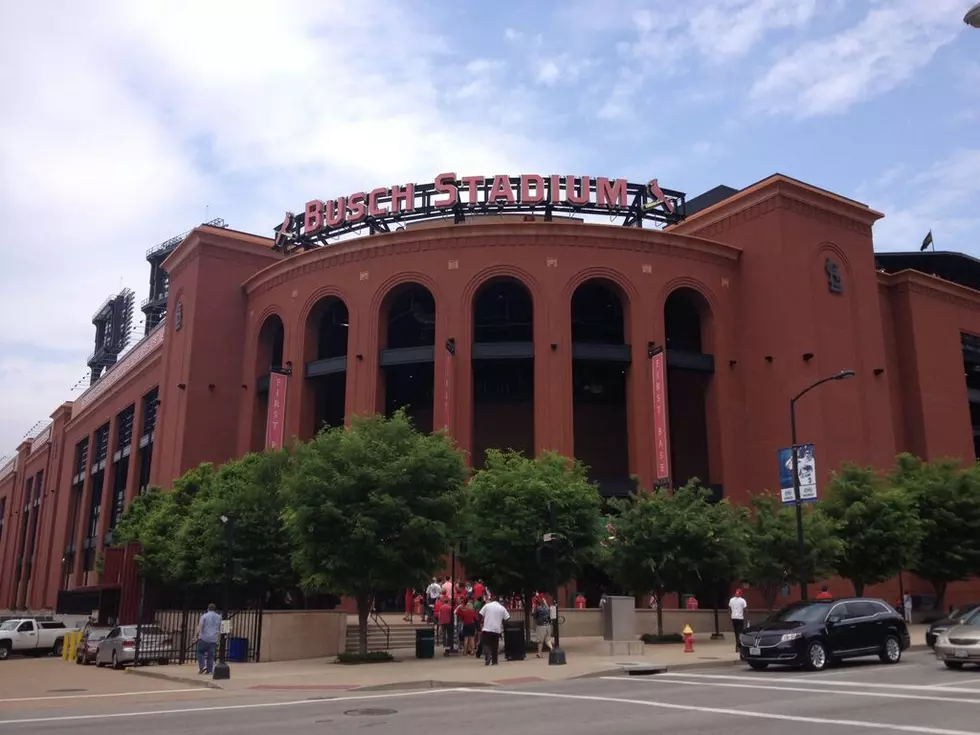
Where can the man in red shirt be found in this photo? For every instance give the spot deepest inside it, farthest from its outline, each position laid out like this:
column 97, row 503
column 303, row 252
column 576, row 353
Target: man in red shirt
column 824, row 594
column 479, row 590
column 445, row 617
column 467, row 618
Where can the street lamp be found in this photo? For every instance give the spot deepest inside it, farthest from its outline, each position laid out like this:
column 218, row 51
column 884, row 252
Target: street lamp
column 800, row 546
column 972, row 17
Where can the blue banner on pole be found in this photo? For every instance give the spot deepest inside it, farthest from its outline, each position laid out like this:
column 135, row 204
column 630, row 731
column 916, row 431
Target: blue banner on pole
column 806, row 472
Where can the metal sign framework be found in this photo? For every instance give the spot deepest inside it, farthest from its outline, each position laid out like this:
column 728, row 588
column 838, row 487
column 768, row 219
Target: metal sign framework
column 644, row 205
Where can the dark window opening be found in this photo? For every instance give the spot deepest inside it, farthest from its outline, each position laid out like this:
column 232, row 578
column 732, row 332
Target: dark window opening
column 503, row 312
column 411, row 387
column 412, row 319
column 330, row 400
column 597, row 315
column 150, row 404
column 125, row 422
column 503, row 407
column 120, row 473
column 146, row 459
column 101, row 443
column 81, row 456
column 971, row 370
column 599, row 388
column 95, row 508
column 682, row 321
column 333, row 330
column 3, row 515
column 75, row 508
column 270, row 346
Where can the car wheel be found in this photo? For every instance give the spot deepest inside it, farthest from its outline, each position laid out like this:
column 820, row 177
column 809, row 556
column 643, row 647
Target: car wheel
column 956, row 665
column 4, row 653
column 59, row 647
column 115, row 661
column 758, row 665
column 816, row 657
column 891, row 652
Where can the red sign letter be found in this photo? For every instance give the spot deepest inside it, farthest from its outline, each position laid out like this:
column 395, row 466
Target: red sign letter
column 356, row 206
column 403, row 198
column 501, row 189
column 446, row 184
column 471, row 183
column 527, row 197
column 374, row 209
column 313, row 220
column 336, row 211
column 584, row 195
column 610, row 194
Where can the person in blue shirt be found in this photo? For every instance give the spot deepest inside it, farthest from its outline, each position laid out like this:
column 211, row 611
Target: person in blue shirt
column 208, row 630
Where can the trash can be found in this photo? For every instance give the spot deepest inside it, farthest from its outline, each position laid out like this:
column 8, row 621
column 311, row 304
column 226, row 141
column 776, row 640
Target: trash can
column 425, row 643
column 514, row 644
column 237, row 650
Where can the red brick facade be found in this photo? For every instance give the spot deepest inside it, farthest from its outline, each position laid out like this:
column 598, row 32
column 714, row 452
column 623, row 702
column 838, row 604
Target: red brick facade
column 754, row 266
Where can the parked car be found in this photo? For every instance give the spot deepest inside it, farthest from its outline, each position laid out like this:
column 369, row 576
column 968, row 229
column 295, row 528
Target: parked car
column 88, row 646
column 31, row 636
column 960, row 644
column 118, row 648
column 954, row 618
column 816, row 634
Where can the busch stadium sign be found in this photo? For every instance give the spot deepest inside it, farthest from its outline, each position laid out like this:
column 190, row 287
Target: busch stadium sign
column 449, row 195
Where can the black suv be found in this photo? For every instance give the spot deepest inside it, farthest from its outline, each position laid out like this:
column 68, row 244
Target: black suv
column 817, row 633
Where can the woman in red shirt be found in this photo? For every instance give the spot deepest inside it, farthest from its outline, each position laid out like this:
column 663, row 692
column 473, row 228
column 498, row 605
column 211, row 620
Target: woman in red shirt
column 467, row 617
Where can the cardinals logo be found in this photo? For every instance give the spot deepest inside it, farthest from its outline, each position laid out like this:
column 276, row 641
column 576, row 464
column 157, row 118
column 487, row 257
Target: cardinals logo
column 284, row 232
column 658, row 197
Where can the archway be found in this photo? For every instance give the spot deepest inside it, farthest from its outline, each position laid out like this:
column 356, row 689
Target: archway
column 325, row 357
column 690, row 370
column 503, row 369
column 407, row 361
column 600, row 366
column 268, row 357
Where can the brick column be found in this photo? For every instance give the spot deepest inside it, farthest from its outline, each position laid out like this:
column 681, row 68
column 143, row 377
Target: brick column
column 108, row 480
column 133, row 476
column 81, row 519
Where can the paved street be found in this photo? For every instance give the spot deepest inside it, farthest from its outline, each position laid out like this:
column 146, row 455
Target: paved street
column 917, row 696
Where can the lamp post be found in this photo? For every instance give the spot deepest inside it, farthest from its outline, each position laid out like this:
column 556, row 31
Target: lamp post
column 221, row 668
column 800, row 546
column 556, row 656
column 972, row 17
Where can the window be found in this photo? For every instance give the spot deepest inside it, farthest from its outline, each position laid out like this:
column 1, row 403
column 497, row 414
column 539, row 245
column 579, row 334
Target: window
column 26, row 627
column 81, row 456
column 863, row 609
column 101, row 443
column 150, row 411
column 3, row 514
column 125, row 422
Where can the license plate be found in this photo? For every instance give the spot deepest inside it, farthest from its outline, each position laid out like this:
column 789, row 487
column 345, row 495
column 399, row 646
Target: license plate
column 755, row 651
column 962, row 654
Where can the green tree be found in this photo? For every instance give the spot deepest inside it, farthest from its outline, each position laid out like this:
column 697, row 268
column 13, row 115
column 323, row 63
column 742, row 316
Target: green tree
column 508, row 512
column 154, row 520
column 245, row 491
column 947, row 502
column 662, row 541
column 372, row 507
column 876, row 524
column 772, row 557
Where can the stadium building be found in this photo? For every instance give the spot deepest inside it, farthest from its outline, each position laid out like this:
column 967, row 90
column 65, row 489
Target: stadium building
column 656, row 338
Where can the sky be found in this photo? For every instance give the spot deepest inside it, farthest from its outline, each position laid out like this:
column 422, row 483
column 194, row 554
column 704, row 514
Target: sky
column 126, row 123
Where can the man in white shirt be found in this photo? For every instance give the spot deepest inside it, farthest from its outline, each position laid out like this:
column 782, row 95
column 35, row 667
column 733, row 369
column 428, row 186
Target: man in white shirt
column 432, row 593
column 737, row 606
column 494, row 614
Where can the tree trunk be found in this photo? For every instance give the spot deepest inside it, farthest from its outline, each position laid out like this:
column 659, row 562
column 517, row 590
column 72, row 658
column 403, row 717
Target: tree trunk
column 363, row 610
column 940, row 589
column 769, row 592
column 858, row 588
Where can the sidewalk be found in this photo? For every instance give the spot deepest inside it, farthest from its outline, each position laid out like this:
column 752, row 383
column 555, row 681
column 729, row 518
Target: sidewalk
column 407, row 672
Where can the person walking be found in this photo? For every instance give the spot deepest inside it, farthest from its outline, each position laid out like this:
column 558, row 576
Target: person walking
column 208, row 630
column 494, row 614
column 737, row 606
column 432, row 593
column 907, row 607
column 467, row 617
column 542, row 625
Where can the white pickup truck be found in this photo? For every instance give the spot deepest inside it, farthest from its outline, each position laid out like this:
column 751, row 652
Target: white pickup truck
column 29, row 635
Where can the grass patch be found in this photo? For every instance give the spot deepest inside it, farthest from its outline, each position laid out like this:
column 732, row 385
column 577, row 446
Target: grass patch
column 653, row 638
column 371, row 657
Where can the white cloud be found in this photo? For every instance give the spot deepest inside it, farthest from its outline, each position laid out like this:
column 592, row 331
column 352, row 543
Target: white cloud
column 125, row 120
column 511, row 34
column 876, row 55
column 731, row 28
column 937, row 198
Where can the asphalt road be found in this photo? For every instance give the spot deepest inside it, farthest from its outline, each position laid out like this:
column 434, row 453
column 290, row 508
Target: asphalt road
column 916, row 696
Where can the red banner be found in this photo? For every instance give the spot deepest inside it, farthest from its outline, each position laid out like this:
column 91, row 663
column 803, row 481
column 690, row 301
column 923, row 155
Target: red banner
column 274, row 428
column 661, row 430
column 447, row 392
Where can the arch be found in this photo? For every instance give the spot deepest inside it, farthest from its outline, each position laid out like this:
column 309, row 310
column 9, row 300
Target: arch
column 270, row 343
column 384, row 291
column 326, row 333
column 603, row 274
column 686, row 313
column 326, row 329
column 599, row 313
column 701, row 298
column 831, row 247
column 501, row 270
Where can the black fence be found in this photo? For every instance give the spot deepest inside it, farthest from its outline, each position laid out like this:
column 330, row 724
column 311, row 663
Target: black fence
column 169, row 633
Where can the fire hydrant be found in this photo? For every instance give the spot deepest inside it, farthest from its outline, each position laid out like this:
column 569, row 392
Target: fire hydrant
column 688, row 633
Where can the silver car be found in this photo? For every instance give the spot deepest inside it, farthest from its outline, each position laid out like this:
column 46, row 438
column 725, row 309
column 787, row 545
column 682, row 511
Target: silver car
column 119, row 647
column 960, row 644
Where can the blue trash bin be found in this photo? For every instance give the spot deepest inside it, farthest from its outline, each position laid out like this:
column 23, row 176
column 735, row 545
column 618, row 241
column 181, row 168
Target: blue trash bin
column 237, row 650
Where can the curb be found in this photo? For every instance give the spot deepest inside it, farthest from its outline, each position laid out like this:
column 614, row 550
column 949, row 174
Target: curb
column 427, row 684
column 189, row 680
